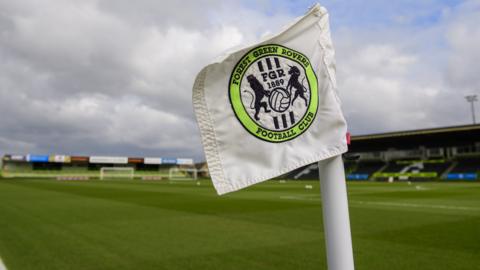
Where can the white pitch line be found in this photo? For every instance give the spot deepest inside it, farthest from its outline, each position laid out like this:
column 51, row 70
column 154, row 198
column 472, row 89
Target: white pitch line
column 301, row 198
column 414, row 205
column 2, row 265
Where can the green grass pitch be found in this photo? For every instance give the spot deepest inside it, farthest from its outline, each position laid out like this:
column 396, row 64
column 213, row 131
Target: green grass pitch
column 48, row 224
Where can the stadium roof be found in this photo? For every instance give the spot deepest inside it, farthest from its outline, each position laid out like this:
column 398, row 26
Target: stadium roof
column 433, row 137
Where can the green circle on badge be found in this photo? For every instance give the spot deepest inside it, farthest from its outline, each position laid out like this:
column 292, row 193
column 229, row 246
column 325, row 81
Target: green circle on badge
column 274, row 93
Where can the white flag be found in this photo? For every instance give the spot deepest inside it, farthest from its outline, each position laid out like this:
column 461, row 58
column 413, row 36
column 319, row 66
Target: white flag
column 272, row 107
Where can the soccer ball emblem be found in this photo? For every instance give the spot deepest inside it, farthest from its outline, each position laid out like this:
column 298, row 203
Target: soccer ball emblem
column 279, row 100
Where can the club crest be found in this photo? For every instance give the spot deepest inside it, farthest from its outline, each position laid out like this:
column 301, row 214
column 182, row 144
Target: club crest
column 273, row 92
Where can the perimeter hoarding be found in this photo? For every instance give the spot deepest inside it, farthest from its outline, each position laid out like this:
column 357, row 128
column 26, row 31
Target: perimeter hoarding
column 168, row 161
column 20, row 158
column 79, row 159
column 59, row 159
column 462, row 176
column 357, row 176
column 108, row 160
column 37, row 158
column 409, row 174
column 135, row 160
column 172, row 161
column 152, row 161
column 184, row 161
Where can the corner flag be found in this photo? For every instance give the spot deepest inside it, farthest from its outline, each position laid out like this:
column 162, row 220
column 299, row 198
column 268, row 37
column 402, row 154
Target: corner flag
column 271, row 107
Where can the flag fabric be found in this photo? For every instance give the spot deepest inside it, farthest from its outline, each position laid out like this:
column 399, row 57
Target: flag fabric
column 271, row 107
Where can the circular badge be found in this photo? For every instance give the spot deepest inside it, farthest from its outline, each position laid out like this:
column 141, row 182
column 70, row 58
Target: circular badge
column 274, row 94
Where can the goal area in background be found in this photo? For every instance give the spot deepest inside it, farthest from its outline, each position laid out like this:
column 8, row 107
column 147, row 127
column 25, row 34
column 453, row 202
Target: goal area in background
column 117, row 173
column 182, row 173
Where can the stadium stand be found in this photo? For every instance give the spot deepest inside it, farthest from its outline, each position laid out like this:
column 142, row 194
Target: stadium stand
column 467, row 165
column 393, row 167
column 309, row 172
column 82, row 168
column 428, row 154
column 449, row 153
column 369, row 167
column 364, row 170
column 439, row 167
column 464, row 168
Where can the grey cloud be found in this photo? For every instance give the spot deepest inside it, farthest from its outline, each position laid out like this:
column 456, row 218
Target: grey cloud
column 114, row 78
column 463, row 36
column 109, row 77
column 395, row 78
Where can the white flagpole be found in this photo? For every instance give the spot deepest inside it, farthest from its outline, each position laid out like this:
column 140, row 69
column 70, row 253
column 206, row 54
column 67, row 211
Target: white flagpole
column 335, row 214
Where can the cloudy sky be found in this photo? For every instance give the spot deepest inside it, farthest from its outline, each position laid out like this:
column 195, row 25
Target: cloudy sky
column 114, row 77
